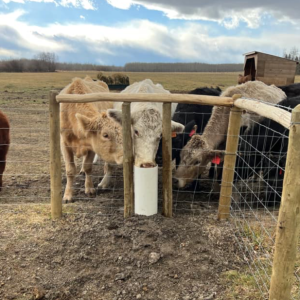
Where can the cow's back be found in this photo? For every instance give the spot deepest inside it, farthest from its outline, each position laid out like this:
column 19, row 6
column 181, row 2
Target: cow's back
column 145, row 87
column 256, row 90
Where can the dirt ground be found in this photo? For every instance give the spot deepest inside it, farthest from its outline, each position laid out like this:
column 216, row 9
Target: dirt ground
column 92, row 253
column 89, row 255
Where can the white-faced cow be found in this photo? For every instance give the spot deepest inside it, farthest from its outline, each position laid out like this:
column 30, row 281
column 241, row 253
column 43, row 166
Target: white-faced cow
column 146, row 119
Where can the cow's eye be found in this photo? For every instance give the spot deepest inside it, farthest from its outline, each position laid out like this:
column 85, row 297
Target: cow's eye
column 105, row 135
column 136, row 133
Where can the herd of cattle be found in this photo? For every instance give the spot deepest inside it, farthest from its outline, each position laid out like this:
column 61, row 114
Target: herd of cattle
column 90, row 130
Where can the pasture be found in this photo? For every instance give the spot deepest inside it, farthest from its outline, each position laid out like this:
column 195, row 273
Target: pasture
column 92, row 253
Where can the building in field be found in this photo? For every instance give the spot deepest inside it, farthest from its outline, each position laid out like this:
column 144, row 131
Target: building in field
column 270, row 69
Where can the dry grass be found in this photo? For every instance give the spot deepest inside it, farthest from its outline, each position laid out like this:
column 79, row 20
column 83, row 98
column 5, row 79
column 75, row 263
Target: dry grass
column 258, row 237
column 33, row 82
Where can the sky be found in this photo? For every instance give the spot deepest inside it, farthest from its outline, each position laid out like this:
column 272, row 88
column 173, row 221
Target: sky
column 115, row 32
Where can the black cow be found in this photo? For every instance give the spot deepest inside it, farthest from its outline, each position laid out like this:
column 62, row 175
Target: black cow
column 292, row 90
column 263, row 150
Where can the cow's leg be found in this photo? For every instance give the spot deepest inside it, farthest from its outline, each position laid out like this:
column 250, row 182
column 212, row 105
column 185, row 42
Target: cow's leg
column 105, row 182
column 70, row 171
column 3, row 151
column 87, row 167
column 2, row 168
column 94, row 162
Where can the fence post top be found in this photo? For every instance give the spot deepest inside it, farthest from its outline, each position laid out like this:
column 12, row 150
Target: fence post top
column 297, row 108
column 236, row 96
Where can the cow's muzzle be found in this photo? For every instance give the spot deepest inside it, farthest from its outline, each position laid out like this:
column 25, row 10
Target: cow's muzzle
column 147, row 165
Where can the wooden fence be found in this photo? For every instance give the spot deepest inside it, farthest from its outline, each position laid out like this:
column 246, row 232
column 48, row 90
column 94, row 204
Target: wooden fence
column 288, row 225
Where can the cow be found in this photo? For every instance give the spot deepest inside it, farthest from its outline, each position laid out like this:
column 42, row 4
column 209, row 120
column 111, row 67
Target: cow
column 263, row 151
column 199, row 151
column 86, row 129
column 194, row 117
column 292, row 90
column 146, row 119
column 4, row 143
column 244, row 79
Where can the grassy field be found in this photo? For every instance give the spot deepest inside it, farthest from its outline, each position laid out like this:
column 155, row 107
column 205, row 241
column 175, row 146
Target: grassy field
column 181, row 82
column 18, row 82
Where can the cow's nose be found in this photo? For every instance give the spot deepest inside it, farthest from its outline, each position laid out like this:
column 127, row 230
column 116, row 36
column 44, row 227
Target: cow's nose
column 147, row 165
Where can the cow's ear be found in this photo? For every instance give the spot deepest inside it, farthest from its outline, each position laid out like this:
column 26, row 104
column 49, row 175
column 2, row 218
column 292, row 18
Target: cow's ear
column 177, row 127
column 84, row 123
column 115, row 115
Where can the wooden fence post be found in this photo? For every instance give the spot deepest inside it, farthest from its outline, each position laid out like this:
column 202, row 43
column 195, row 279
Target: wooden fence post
column 229, row 161
column 55, row 158
column 167, row 161
column 127, row 161
column 288, row 225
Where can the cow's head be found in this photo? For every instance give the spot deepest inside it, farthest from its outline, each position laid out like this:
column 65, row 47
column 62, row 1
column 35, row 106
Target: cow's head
column 194, row 158
column 104, row 135
column 146, row 131
column 244, row 79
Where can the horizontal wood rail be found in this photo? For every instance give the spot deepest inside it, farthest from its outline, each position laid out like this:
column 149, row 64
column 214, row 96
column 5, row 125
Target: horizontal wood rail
column 164, row 98
column 276, row 114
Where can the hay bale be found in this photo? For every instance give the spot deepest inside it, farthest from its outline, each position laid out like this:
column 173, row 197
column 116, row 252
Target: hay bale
column 120, row 78
column 106, row 79
column 99, row 75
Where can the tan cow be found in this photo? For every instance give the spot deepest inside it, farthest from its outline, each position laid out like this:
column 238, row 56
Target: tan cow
column 85, row 130
column 244, row 79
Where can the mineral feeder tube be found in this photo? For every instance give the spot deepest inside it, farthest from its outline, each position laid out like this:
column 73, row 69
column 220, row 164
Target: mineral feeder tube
column 145, row 191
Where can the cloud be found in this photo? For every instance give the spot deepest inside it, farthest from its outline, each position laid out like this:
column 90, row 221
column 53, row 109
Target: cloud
column 5, row 53
column 25, row 36
column 82, row 17
column 136, row 40
column 124, row 4
column 85, row 4
column 229, row 13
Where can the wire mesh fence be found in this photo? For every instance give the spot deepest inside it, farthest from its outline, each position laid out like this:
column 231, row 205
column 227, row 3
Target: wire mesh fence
column 256, row 196
column 257, row 187
column 201, row 193
column 26, row 177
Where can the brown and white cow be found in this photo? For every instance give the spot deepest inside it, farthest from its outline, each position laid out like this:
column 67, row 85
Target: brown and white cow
column 146, row 119
column 197, row 153
column 85, row 130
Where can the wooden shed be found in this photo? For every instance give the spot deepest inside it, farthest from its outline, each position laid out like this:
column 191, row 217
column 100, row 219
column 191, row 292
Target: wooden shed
column 270, row 69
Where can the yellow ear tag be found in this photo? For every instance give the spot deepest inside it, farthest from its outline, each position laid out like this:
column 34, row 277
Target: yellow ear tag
column 174, row 134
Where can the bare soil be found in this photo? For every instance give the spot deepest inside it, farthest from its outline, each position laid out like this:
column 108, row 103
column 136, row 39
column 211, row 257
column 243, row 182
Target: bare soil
column 93, row 253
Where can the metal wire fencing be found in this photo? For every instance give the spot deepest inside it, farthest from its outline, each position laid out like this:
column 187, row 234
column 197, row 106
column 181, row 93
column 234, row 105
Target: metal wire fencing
column 256, row 196
column 26, row 177
column 202, row 192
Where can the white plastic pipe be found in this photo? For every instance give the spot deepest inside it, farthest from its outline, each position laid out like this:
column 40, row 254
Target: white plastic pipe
column 145, row 191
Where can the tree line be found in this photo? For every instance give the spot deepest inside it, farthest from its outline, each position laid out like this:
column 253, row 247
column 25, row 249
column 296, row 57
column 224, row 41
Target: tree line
column 48, row 62
column 182, row 67
column 293, row 54
column 42, row 62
